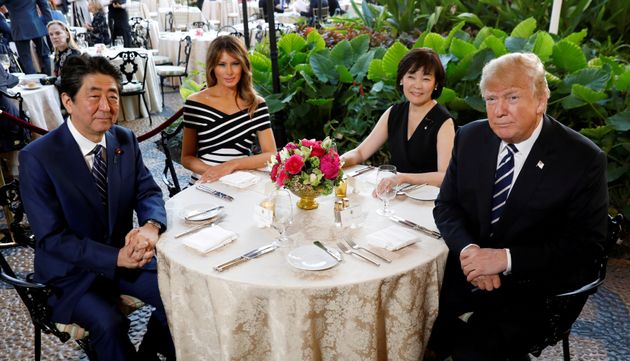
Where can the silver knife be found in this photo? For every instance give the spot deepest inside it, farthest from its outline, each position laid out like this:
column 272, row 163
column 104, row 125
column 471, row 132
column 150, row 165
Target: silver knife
column 197, row 227
column 214, row 192
column 331, row 253
column 246, row 257
column 197, row 214
column 416, row 226
column 362, row 170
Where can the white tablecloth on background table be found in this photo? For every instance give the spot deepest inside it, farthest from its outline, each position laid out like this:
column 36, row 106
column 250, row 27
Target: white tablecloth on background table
column 218, row 10
column 264, row 309
column 182, row 16
column 169, row 45
column 42, row 104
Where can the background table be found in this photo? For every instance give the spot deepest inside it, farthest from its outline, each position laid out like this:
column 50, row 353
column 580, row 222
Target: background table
column 182, row 16
column 265, row 309
column 42, row 104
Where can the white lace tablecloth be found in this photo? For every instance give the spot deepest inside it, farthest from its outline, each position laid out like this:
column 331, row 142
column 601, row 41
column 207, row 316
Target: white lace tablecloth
column 265, row 309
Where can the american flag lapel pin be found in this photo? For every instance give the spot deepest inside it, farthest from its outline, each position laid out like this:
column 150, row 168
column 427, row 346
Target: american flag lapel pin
column 540, row 164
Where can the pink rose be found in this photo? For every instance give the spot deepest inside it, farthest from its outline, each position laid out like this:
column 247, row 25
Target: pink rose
column 294, row 164
column 282, row 178
column 310, row 142
column 329, row 165
column 317, row 151
column 274, row 171
column 290, row 146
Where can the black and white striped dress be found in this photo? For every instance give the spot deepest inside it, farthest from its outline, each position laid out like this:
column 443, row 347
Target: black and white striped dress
column 222, row 137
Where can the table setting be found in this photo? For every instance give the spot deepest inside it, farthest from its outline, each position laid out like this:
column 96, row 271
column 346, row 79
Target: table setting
column 273, row 270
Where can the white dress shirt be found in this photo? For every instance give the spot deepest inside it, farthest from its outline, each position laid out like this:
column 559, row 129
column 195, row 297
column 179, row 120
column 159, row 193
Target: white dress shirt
column 86, row 145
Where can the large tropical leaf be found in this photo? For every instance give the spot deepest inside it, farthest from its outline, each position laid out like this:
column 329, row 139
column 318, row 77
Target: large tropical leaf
column 524, row 29
column 315, row 39
column 623, row 81
column 291, row 42
column 260, row 62
column 375, row 71
column 494, row 43
column 577, row 38
column 361, row 66
column 471, row 19
column 543, row 46
column 568, row 56
column 446, row 96
column 461, row 48
column 323, row 67
column 594, row 78
column 392, row 57
column 344, row 74
column 342, row 53
column 587, row 94
column 435, row 42
column 360, row 45
column 620, row 121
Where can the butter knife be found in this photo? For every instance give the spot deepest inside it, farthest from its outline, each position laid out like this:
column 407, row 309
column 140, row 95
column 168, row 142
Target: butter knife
column 203, row 187
column 331, row 253
column 195, row 228
column 246, row 257
column 362, row 170
column 416, row 226
column 197, row 214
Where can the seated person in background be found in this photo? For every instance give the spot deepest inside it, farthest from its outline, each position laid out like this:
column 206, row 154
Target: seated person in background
column 63, row 44
column 81, row 184
column 333, row 6
column 535, row 232
column 5, row 29
column 98, row 29
column 419, row 131
column 222, row 121
column 313, row 4
column 278, row 6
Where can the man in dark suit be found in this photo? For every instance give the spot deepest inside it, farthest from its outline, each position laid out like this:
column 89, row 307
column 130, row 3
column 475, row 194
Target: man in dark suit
column 26, row 27
column 80, row 185
column 119, row 21
column 507, row 256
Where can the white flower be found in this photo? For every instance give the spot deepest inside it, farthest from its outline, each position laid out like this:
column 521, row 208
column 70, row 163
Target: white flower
column 284, row 155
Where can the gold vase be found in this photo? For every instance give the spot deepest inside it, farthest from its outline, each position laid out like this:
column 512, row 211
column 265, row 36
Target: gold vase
column 307, row 196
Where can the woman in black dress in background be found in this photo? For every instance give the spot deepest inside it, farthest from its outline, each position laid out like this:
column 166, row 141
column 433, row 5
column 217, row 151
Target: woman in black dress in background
column 98, row 29
column 419, row 131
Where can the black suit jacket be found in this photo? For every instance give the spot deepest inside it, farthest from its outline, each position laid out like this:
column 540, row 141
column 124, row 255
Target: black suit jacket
column 554, row 222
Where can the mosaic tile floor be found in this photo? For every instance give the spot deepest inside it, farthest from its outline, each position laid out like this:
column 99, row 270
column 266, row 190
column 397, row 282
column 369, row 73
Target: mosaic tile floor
column 601, row 333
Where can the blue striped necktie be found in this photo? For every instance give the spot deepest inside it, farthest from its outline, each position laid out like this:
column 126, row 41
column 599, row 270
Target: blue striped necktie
column 502, row 184
column 99, row 171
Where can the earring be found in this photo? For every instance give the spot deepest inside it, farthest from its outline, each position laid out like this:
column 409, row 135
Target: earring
column 435, row 88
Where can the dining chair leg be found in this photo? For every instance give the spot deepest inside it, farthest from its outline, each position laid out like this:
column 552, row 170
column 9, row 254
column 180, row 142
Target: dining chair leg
column 38, row 344
column 162, row 88
column 565, row 347
column 146, row 106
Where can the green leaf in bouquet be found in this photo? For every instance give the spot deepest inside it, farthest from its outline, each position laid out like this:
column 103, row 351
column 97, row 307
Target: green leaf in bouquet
column 543, row 46
column 461, row 49
column 342, row 53
column 392, row 57
column 524, row 29
column 587, row 94
column 568, row 56
column 620, row 121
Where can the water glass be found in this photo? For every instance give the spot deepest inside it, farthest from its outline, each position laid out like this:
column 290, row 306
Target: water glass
column 282, row 215
column 385, row 188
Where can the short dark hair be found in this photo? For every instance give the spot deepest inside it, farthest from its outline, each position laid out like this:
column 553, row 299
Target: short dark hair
column 76, row 68
column 429, row 61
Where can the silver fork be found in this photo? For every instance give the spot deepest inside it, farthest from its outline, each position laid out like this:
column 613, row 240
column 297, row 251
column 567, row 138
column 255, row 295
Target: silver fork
column 347, row 250
column 408, row 188
column 353, row 245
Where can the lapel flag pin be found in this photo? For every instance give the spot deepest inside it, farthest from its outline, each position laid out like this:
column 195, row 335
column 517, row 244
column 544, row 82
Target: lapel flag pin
column 540, row 164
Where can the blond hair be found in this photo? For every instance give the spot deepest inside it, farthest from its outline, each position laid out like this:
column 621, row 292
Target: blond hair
column 71, row 43
column 524, row 63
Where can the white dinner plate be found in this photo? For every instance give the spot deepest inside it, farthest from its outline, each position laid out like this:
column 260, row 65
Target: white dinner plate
column 31, row 86
column 193, row 209
column 424, row 193
column 311, row 258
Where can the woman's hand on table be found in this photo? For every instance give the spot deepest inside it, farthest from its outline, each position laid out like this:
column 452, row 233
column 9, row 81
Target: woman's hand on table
column 387, row 183
column 213, row 173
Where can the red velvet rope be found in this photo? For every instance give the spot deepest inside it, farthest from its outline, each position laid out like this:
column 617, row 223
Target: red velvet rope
column 35, row 129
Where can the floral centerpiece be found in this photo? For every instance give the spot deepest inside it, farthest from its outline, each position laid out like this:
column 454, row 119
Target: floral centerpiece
column 308, row 168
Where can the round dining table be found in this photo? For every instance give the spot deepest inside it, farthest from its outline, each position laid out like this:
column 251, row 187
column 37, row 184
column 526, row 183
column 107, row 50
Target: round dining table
column 267, row 309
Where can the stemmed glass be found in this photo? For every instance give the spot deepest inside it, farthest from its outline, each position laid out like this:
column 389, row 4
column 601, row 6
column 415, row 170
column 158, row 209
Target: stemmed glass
column 282, row 215
column 5, row 61
column 385, row 190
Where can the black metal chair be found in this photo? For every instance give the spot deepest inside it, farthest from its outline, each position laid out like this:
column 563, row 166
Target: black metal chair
column 134, row 82
column 231, row 30
column 35, row 295
column 564, row 309
column 17, row 97
column 169, row 22
column 180, row 69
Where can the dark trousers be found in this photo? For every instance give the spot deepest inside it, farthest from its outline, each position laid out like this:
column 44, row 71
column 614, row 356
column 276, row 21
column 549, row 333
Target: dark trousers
column 119, row 26
column 503, row 325
column 97, row 311
column 24, row 55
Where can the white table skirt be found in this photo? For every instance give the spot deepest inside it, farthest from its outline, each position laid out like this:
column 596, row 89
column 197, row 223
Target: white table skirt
column 265, row 309
column 42, row 104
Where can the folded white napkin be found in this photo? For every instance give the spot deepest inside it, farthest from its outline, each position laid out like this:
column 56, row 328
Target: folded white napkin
column 392, row 238
column 210, row 238
column 240, row 179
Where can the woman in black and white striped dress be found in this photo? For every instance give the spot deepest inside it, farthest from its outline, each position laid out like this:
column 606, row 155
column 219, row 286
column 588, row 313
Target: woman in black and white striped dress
column 222, row 121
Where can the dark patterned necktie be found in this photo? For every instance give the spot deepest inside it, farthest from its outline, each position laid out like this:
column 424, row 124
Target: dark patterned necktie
column 99, row 171
column 502, row 184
